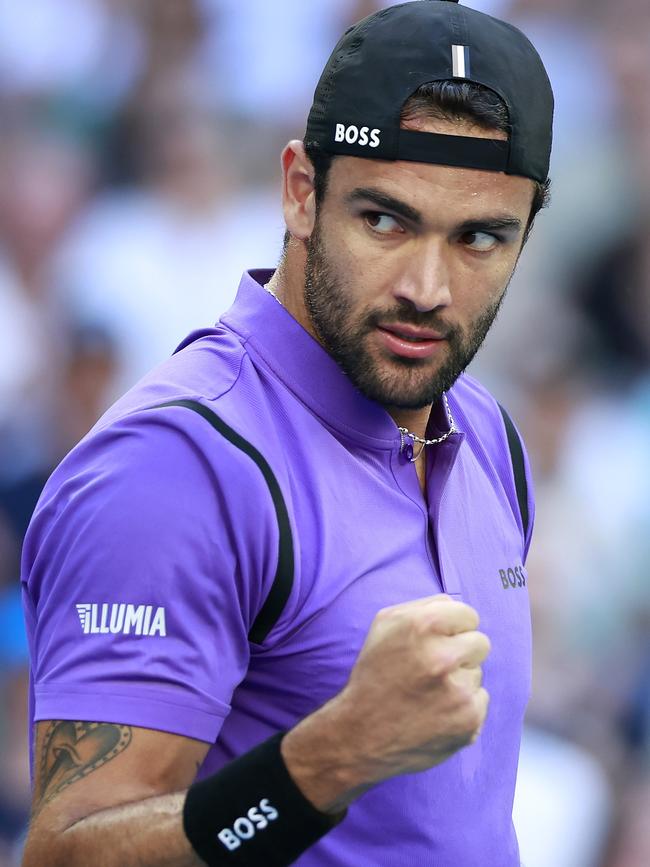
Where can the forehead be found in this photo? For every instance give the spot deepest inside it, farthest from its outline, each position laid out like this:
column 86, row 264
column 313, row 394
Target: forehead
column 464, row 193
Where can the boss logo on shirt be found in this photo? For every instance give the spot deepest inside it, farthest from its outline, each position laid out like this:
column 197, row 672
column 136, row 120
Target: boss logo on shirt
column 357, row 135
column 121, row 618
column 512, row 578
column 245, row 828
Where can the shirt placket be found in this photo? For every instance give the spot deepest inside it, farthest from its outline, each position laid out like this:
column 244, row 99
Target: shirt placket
column 406, row 476
column 438, row 477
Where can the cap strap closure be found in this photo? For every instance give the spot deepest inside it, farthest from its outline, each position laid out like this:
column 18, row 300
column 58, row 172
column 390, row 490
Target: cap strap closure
column 453, row 150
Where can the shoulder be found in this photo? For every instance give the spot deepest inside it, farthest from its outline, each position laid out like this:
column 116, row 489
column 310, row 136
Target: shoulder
column 198, row 405
column 169, row 459
column 158, row 504
column 499, row 449
column 478, row 414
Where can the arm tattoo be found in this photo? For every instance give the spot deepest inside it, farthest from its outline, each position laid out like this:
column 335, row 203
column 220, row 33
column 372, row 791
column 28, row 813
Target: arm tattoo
column 72, row 750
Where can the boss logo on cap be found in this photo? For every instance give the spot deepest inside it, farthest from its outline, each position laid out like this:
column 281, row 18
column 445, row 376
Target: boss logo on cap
column 357, row 135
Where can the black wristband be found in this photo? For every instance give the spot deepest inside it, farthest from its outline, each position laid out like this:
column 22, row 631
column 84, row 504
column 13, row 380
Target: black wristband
column 251, row 813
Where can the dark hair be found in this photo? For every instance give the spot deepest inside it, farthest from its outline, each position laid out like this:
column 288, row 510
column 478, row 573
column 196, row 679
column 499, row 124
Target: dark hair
column 440, row 100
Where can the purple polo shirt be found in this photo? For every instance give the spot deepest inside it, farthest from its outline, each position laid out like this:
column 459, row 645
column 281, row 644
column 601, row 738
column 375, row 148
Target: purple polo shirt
column 155, row 544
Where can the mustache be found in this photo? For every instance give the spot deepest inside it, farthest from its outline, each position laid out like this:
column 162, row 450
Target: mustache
column 408, row 315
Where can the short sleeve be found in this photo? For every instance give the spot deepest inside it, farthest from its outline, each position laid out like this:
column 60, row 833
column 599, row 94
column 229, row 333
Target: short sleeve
column 151, row 550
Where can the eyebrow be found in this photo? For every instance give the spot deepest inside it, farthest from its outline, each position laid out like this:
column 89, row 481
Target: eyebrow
column 396, row 206
column 492, row 224
column 383, row 200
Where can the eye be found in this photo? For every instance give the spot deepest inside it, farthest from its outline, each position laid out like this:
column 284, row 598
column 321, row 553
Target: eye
column 482, row 242
column 382, row 224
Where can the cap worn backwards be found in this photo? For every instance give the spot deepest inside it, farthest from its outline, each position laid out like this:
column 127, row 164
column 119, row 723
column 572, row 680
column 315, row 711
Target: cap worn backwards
column 381, row 61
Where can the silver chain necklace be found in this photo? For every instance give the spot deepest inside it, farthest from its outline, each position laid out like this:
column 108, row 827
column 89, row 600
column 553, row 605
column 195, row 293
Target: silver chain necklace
column 406, row 448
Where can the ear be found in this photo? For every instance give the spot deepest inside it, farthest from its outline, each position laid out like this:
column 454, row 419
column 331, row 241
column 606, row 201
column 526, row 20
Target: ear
column 298, row 196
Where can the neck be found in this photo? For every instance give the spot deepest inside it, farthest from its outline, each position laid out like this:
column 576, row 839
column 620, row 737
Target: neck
column 288, row 284
column 415, row 420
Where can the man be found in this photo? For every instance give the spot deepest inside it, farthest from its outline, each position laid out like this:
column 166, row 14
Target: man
column 267, row 563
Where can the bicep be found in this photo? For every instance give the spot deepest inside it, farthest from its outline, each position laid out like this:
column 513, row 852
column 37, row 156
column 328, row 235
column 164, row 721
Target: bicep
column 82, row 767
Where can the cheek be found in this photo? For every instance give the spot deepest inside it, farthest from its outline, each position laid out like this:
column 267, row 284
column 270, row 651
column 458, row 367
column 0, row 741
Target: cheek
column 378, row 267
column 351, row 246
column 484, row 280
column 365, row 272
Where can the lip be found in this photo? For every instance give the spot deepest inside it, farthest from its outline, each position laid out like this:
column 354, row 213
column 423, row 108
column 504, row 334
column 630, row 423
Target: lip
column 398, row 339
column 410, row 331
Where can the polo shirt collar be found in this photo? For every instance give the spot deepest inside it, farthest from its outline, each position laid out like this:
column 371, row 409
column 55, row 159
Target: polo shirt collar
column 272, row 334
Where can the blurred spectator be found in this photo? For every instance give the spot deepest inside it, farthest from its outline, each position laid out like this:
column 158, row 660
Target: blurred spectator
column 268, row 56
column 66, row 50
column 615, row 296
column 44, row 179
column 585, row 214
column 147, row 264
column 614, row 291
column 631, row 846
column 587, row 568
column 15, row 794
column 14, row 766
column 565, row 824
column 174, row 34
column 45, row 176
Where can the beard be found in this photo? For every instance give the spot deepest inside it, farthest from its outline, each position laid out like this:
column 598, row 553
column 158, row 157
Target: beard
column 404, row 383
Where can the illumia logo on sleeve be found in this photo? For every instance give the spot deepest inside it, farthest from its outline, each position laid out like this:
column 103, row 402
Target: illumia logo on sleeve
column 121, row 618
column 357, row 135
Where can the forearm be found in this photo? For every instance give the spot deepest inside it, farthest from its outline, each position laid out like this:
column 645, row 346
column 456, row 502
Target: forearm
column 414, row 698
column 153, row 832
column 146, row 833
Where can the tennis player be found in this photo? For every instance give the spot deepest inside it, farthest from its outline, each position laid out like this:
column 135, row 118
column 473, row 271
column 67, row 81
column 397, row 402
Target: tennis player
column 277, row 599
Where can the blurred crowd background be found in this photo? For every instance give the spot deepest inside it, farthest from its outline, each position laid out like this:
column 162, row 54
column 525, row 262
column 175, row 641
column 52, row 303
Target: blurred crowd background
column 139, row 176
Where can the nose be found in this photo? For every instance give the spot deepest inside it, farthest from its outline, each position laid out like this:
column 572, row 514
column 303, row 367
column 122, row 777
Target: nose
column 426, row 281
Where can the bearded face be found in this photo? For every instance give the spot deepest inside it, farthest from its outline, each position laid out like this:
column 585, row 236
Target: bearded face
column 348, row 330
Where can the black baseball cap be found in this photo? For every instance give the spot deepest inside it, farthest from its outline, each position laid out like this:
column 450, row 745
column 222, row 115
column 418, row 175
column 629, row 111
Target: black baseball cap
column 381, row 61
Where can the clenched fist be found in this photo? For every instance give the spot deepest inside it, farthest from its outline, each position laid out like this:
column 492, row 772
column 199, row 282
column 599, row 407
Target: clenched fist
column 414, row 698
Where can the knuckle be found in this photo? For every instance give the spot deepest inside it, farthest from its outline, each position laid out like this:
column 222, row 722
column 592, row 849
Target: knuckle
column 478, row 647
column 469, row 720
column 385, row 614
column 472, row 722
column 475, row 710
column 478, row 718
column 486, row 644
column 465, row 704
column 472, row 614
column 440, row 620
column 428, row 624
column 482, row 701
column 456, row 702
column 442, row 662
